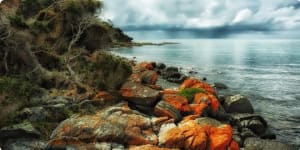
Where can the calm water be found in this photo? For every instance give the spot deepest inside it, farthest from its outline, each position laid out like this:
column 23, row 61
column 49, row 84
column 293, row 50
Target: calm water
column 267, row 71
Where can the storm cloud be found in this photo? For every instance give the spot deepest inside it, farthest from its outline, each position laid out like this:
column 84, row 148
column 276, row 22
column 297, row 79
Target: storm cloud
column 204, row 15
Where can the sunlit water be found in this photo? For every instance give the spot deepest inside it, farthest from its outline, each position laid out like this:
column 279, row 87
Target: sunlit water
column 267, row 71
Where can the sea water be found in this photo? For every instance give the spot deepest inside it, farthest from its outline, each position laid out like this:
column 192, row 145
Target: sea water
column 267, row 71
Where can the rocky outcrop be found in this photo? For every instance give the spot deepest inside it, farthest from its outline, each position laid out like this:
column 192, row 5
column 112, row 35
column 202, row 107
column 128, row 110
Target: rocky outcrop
column 117, row 124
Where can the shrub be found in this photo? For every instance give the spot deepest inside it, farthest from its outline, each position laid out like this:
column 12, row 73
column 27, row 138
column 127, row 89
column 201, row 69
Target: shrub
column 17, row 88
column 189, row 93
column 17, row 21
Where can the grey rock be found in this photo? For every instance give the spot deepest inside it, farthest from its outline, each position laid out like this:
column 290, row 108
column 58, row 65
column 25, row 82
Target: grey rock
column 246, row 133
column 24, row 129
column 24, row 144
column 139, row 94
column 238, row 104
column 160, row 66
column 252, row 121
column 259, row 144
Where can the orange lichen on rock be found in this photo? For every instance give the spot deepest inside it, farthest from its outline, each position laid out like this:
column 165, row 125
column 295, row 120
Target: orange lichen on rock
column 195, row 136
column 149, row 77
column 195, row 83
column 144, row 66
column 198, row 108
column 208, row 99
column 103, row 96
column 178, row 102
column 188, row 135
column 219, row 137
column 234, row 145
column 168, row 91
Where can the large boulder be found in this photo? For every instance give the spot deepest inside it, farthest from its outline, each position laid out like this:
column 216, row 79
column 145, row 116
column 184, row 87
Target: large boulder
column 117, row 124
column 238, row 104
column 187, row 135
column 172, row 74
column 139, row 94
column 254, row 122
column 259, row 144
column 195, row 83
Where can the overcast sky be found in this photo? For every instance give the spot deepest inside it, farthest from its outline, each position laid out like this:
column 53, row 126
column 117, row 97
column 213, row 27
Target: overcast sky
column 226, row 16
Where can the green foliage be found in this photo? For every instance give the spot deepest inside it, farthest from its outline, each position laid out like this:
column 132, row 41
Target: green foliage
column 45, row 26
column 45, row 128
column 80, row 7
column 17, row 21
column 189, row 93
column 18, row 88
column 29, row 8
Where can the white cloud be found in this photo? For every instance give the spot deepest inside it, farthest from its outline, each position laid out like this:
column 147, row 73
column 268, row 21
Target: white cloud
column 203, row 14
column 242, row 16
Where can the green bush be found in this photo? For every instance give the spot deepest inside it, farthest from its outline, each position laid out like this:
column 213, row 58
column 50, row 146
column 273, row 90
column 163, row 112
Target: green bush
column 189, row 93
column 17, row 21
column 18, row 88
column 29, row 8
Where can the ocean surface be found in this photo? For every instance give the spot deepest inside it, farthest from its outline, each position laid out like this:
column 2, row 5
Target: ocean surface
column 266, row 71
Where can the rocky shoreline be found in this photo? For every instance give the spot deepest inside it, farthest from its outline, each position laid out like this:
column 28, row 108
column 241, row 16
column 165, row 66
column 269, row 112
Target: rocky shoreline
column 143, row 115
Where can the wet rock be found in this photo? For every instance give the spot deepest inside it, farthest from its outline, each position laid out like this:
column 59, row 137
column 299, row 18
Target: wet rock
column 187, row 135
column 246, row 133
column 193, row 72
column 165, row 109
column 24, row 129
column 138, row 94
column 172, row 74
column 256, row 123
column 117, row 124
column 259, row 144
column 149, row 77
column 268, row 134
column 238, row 104
column 219, row 85
column 23, row 144
column 160, row 66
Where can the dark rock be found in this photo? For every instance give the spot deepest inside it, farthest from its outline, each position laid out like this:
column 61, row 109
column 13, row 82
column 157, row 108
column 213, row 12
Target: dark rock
column 19, row 130
column 160, row 66
column 237, row 137
column 259, row 144
column 165, row 109
column 219, row 85
column 254, row 122
column 23, row 144
column 246, row 133
column 268, row 134
column 193, row 72
column 172, row 69
column 138, row 94
column 238, row 104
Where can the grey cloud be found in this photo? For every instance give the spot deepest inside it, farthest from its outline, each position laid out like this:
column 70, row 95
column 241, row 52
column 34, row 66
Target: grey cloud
column 204, row 16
